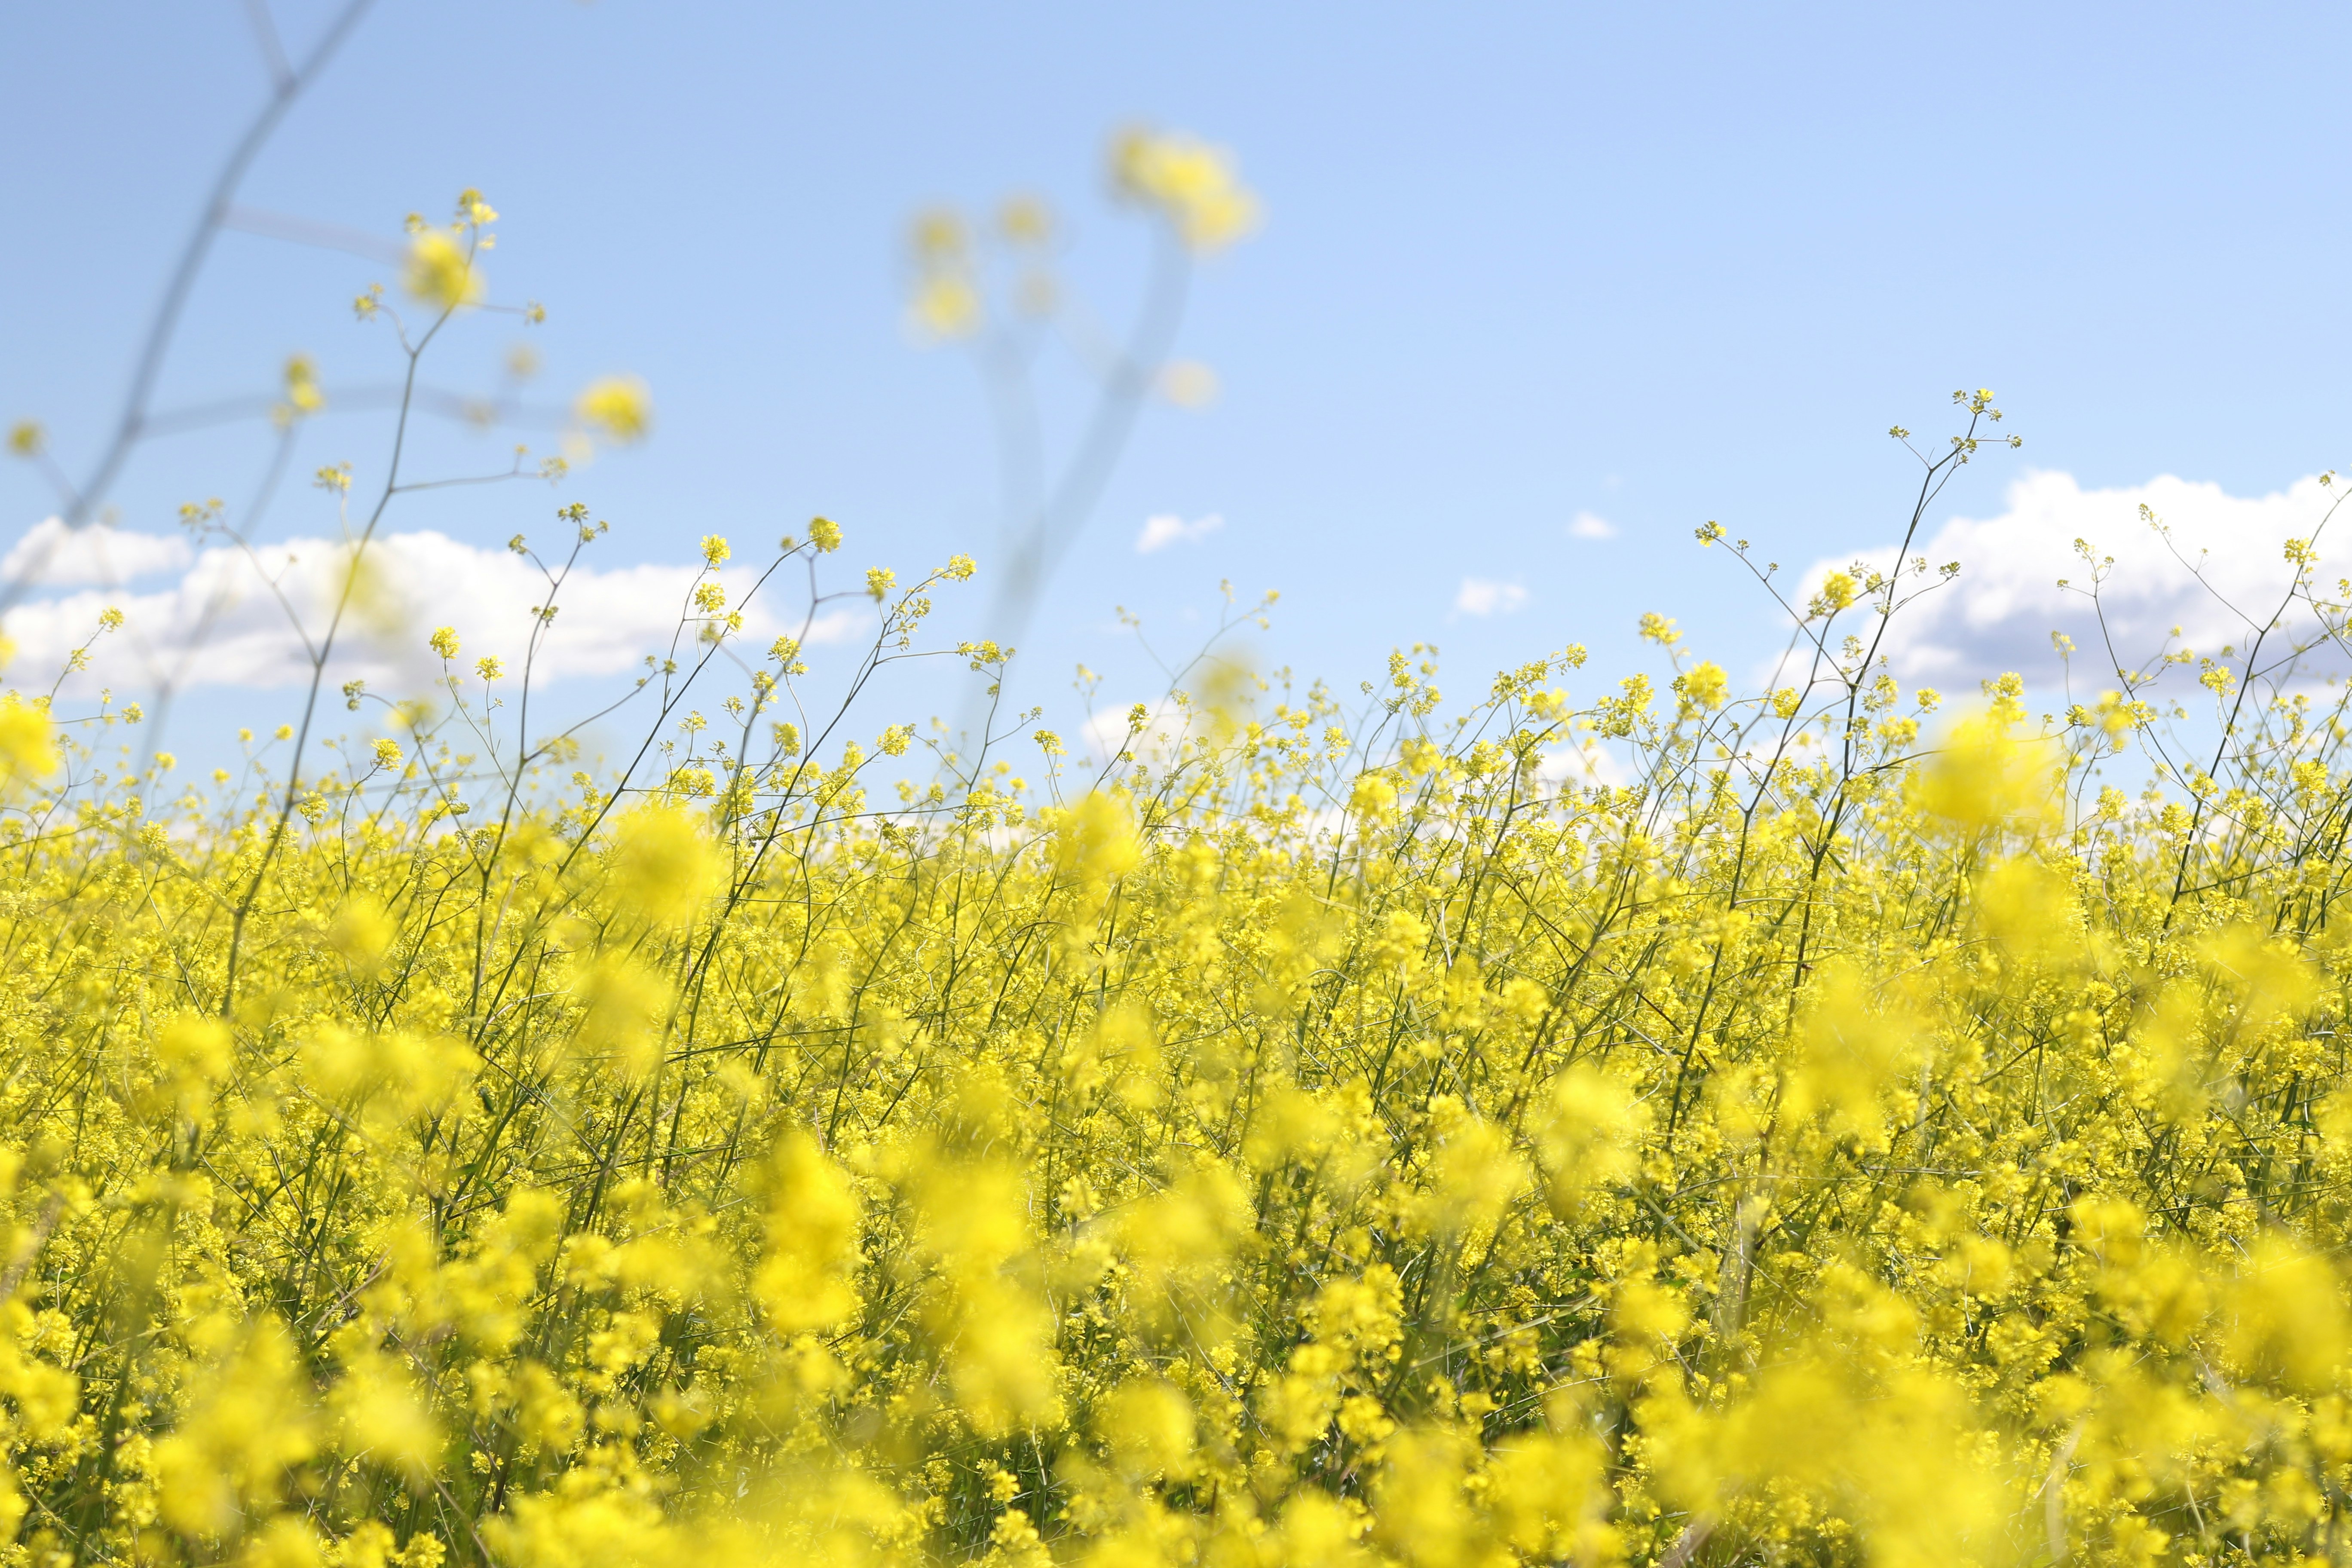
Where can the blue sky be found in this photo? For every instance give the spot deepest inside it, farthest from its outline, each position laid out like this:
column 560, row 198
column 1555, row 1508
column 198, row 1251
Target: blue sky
column 1657, row 265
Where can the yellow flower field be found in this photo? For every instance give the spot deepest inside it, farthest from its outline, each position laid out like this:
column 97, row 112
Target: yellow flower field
column 1327, row 1135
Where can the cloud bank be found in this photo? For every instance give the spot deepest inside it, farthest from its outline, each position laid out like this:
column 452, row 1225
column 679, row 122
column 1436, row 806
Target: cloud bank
column 53, row 555
column 2000, row 613
column 226, row 617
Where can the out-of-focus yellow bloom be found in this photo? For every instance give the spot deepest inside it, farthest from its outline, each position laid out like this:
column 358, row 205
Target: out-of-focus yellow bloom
column 195, row 1055
column 1026, row 220
column 361, row 930
column 383, row 1421
column 28, row 748
column 623, row 1017
column 441, row 273
column 946, row 300
column 947, row 305
column 1096, row 839
column 303, row 393
column 250, row 1421
column 1475, row 1176
column 805, row 1280
column 620, row 407
column 1149, row 1425
column 664, row 865
column 1984, row 777
column 1190, row 183
column 1587, row 1135
column 937, row 237
column 1188, row 384
column 1855, row 1043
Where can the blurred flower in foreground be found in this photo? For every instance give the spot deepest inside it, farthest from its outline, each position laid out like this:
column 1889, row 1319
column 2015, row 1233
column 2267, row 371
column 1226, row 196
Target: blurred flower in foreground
column 1188, row 384
column 620, row 407
column 304, row 397
column 1026, row 220
column 1192, row 184
column 946, row 300
column 441, row 270
column 441, row 273
column 947, row 307
column 29, row 747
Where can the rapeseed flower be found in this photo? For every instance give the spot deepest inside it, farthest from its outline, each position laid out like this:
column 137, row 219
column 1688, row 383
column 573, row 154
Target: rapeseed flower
column 440, row 271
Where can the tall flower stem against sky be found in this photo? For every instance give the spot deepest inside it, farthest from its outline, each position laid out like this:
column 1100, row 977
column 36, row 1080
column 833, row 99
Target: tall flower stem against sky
column 289, row 82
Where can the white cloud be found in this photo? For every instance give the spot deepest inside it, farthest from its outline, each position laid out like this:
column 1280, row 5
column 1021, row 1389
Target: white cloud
column 2000, row 613
column 1167, row 529
column 1587, row 762
column 1586, row 525
column 53, row 555
column 230, row 618
column 1484, row 597
column 1105, row 734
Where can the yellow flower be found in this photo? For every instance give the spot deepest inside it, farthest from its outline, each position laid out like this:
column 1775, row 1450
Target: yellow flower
column 1984, row 777
column 441, row 273
column 619, row 406
column 1838, row 591
column 28, row 748
column 806, row 1281
column 664, row 865
column 1026, row 220
column 1705, row 688
column 303, row 393
column 1374, row 797
column 947, row 305
column 1096, row 839
column 1190, row 183
column 1188, row 384
column 937, row 239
